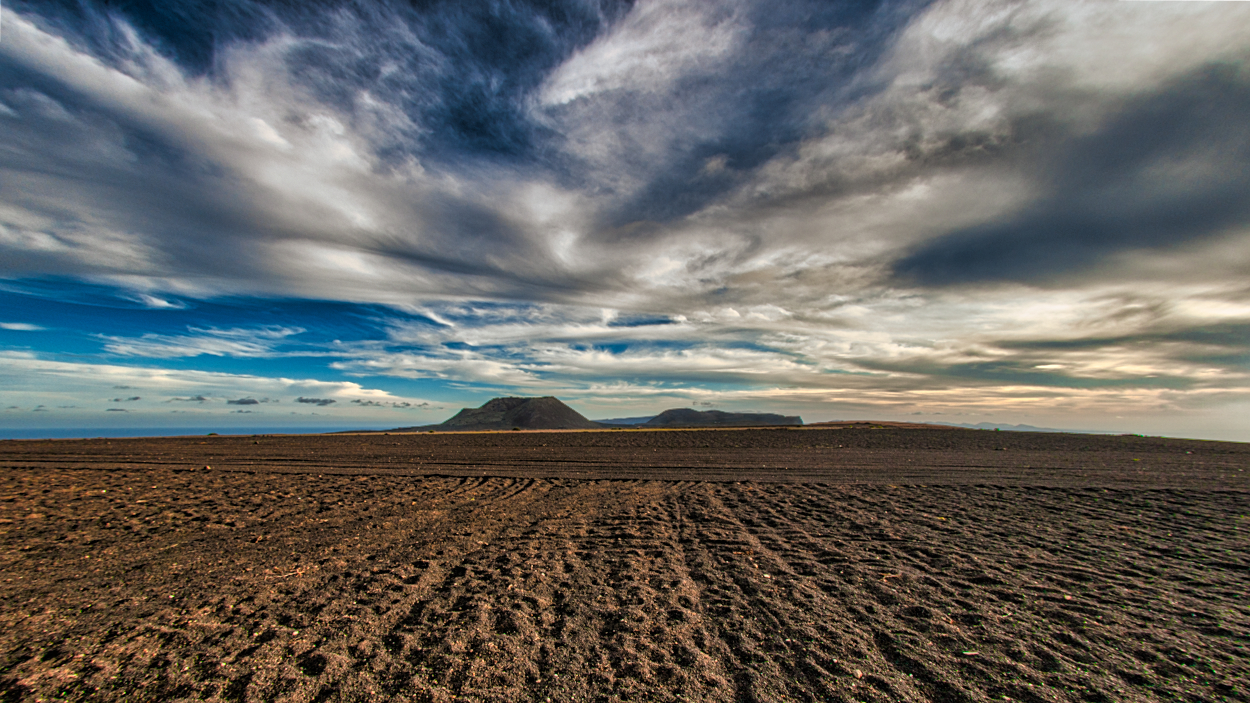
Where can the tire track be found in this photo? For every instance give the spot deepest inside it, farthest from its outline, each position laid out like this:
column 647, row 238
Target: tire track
column 221, row 586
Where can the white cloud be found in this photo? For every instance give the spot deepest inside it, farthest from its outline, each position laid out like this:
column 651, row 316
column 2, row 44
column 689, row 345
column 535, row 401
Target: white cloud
column 656, row 45
column 255, row 342
column 20, row 327
column 155, row 302
column 29, row 380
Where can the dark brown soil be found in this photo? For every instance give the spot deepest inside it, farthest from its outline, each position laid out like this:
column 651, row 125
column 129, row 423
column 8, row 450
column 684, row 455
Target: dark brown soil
column 721, row 565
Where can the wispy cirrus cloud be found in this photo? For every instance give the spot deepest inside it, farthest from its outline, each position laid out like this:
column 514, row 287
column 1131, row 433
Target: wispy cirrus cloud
column 215, row 342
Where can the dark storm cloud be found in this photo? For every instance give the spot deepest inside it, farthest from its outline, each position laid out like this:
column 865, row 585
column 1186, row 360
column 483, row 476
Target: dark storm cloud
column 321, row 402
column 1171, row 168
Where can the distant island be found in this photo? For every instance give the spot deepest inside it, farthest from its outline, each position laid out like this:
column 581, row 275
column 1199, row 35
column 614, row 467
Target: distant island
column 544, row 413
column 685, row 417
column 548, row 413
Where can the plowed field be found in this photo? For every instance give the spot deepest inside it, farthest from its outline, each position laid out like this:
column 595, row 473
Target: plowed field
column 726, row 565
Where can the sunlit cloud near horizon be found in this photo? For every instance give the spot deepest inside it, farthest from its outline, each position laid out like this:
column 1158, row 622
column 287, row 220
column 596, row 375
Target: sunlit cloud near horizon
column 242, row 215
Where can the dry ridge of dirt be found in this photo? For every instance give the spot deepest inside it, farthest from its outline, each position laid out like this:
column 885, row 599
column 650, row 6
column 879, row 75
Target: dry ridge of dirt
column 866, row 566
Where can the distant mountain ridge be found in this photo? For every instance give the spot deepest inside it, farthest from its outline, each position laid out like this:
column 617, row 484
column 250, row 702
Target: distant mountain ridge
column 545, row 413
column 548, row 413
column 902, row 425
column 625, row 420
column 1025, row 428
column 685, row 417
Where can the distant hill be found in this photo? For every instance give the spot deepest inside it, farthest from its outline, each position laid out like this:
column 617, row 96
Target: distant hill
column 880, row 425
column 1027, row 428
column 895, row 425
column 625, row 420
column 550, row 414
column 685, row 417
column 545, row 413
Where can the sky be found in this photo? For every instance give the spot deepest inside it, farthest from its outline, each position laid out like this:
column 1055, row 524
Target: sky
column 239, row 216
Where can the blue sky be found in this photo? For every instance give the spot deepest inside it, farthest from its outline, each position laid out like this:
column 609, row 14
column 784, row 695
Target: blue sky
column 243, row 215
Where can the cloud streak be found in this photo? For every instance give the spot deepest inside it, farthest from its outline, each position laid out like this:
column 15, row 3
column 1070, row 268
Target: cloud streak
column 1160, row 175
column 214, row 342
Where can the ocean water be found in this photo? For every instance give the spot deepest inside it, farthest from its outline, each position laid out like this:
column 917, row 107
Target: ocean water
column 90, row 432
